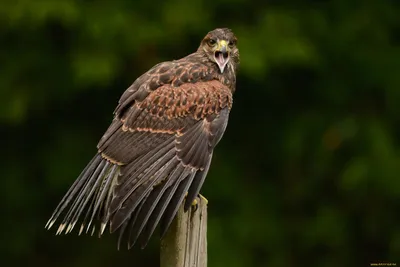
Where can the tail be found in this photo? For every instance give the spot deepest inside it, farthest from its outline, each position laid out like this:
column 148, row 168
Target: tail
column 91, row 192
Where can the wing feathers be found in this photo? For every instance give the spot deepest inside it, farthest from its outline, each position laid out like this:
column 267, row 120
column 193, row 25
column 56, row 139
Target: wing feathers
column 175, row 202
column 153, row 175
column 157, row 149
column 77, row 204
column 86, row 195
column 130, row 221
column 197, row 183
column 174, row 180
column 130, row 179
column 90, row 188
column 73, row 189
column 102, row 193
column 152, row 201
column 192, row 146
column 119, row 147
column 114, row 127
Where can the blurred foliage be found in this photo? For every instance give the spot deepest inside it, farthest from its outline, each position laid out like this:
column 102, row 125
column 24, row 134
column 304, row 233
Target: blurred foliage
column 307, row 173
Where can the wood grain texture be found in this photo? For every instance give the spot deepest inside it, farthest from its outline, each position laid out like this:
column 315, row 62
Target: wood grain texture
column 185, row 244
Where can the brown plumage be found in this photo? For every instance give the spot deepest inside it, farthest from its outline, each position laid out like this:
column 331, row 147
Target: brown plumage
column 159, row 145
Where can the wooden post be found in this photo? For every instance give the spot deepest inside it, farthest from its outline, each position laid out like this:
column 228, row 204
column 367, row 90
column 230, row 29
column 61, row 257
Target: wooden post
column 185, row 243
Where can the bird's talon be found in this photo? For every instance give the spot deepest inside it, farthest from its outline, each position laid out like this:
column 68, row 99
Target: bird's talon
column 197, row 200
column 203, row 198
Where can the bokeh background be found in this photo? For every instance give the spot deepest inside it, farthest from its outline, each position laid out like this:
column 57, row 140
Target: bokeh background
column 307, row 173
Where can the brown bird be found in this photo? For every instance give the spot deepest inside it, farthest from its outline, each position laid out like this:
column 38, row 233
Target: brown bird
column 158, row 147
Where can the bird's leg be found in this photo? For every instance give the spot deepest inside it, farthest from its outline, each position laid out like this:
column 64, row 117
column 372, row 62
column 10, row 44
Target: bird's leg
column 195, row 202
column 203, row 198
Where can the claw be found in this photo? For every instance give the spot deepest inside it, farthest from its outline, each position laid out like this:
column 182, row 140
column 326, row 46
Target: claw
column 203, row 198
column 196, row 201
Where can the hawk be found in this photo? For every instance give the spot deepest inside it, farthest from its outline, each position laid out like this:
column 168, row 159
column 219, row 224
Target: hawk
column 159, row 146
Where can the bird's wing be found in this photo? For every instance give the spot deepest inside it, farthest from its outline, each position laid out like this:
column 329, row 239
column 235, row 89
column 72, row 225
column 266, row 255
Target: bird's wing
column 147, row 99
column 157, row 148
column 165, row 143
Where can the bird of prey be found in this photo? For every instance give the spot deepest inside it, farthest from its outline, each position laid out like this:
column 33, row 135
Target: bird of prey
column 159, row 146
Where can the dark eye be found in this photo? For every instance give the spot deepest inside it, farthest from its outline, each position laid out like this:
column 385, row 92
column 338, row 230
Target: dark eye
column 231, row 44
column 211, row 42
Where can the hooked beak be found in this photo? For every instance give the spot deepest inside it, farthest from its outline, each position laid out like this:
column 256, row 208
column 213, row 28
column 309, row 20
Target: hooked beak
column 221, row 55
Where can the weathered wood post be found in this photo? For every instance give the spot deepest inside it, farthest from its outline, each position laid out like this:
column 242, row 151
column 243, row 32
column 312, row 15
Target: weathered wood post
column 185, row 243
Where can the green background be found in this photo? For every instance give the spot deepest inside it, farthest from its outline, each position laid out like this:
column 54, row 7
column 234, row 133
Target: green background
column 307, row 173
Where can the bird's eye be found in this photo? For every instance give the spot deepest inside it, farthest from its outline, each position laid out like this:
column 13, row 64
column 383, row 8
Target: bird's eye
column 231, row 44
column 211, row 42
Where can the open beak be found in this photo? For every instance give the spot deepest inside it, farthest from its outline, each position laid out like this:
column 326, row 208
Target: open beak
column 221, row 54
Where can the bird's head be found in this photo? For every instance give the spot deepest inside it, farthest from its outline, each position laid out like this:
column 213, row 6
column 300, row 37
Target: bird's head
column 220, row 47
